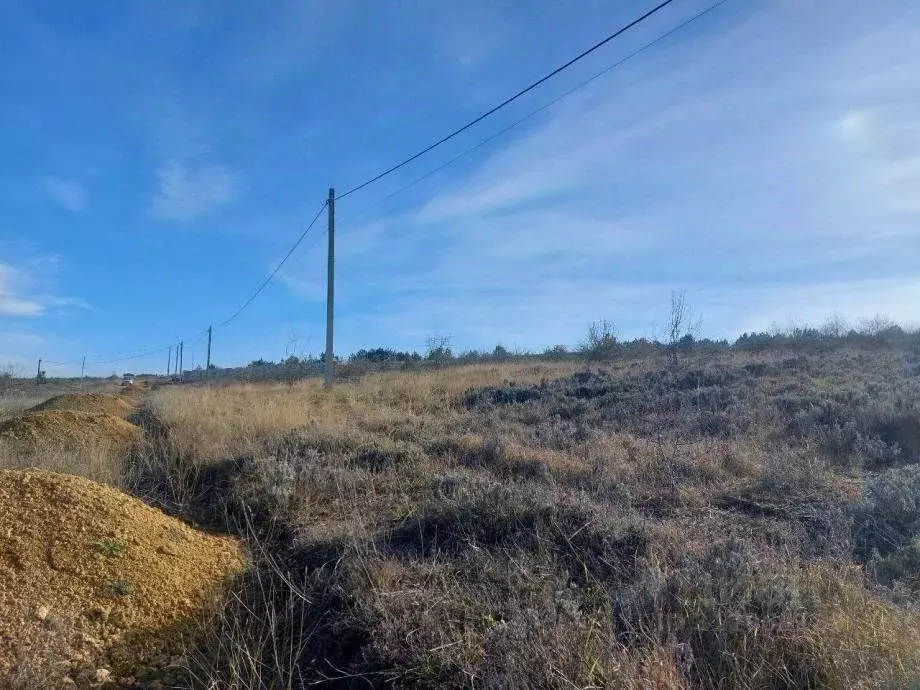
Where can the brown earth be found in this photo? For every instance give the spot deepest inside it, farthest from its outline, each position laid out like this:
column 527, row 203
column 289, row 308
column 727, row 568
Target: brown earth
column 133, row 392
column 112, row 582
column 98, row 403
column 67, row 428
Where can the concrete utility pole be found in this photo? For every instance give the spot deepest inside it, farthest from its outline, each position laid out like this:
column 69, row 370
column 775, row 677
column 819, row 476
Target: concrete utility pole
column 208, row 366
column 169, row 362
column 82, row 371
column 181, row 356
column 330, row 288
column 38, row 374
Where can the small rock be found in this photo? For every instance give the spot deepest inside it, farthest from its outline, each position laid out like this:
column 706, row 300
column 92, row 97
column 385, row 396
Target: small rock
column 41, row 613
column 168, row 550
column 103, row 675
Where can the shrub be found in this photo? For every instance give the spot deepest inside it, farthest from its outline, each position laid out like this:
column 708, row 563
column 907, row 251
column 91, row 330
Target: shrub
column 601, row 341
column 717, row 603
column 889, row 517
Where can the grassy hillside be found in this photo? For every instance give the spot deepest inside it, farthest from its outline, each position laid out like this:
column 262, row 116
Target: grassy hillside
column 734, row 520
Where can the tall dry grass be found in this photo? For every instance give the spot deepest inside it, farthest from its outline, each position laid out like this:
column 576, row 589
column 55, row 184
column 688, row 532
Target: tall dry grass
column 101, row 462
column 669, row 532
column 95, row 459
column 212, row 422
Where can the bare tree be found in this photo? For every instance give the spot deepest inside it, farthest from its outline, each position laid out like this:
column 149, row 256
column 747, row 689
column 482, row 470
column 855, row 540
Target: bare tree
column 294, row 366
column 439, row 348
column 8, row 376
column 601, row 341
column 835, row 327
column 681, row 328
column 876, row 325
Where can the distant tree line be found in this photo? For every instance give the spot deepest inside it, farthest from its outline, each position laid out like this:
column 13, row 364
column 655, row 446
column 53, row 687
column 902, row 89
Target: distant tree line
column 601, row 343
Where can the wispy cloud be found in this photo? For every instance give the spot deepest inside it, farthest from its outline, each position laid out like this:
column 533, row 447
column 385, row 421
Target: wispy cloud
column 24, row 289
column 786, row 190
column 12, row 301
column 17, row 351
column 187, row 192
column 69, row 194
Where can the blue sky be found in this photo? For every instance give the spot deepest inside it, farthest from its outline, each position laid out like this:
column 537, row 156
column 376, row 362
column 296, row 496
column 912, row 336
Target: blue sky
column 160, row 157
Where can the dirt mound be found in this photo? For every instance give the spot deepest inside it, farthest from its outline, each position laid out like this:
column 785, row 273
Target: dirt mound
column 112, row 581
column 66, row 429
column 98, row 403
column 133, row 392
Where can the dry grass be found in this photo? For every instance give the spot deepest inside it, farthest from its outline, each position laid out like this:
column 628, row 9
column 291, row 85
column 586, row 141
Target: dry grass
column 101, row 462
column 516, row 525
column 239, row 418
column 640, row 525
column 83, row 443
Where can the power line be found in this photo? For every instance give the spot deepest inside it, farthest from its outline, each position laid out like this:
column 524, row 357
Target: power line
column 539, row 110
column 303, row 235
column 277, row 268
column 131, row 354
column 508, row 100
column 139, row 354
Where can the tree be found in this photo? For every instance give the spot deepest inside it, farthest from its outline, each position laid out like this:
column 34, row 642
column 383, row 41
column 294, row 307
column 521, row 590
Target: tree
column 835, row 327
column 439, row 348
column 294, row 366
column 556, row 352
column 681, row 328
column 875, row 326
column 601, row 341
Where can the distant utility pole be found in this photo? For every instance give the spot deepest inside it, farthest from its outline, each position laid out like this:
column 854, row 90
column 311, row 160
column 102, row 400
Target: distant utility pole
column 330, row 288
column 181, row 356
column 169, row 362
column 82, row 371
column 38, row 374
column 207, row 367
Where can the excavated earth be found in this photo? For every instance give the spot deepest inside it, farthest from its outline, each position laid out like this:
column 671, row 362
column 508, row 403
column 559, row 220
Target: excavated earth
column 70, row 429
column 97, row 403
column 96, row 587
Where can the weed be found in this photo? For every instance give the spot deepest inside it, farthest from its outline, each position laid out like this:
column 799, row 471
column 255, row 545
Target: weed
column 111, row 548
column 118, row 588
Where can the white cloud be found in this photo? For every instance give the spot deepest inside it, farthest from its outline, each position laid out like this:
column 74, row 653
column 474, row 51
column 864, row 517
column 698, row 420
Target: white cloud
column 18, row 350
column 758, row 308
column 71, row 195
column 777, row 192
column 23, row 293
column 185, row 192
column 12, row 303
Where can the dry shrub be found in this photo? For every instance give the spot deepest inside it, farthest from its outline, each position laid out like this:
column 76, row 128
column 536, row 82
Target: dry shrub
column 536, row 526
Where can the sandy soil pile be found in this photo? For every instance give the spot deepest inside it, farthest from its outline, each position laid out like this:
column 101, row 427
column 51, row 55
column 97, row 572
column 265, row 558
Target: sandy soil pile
column 133, row 392
column 95, row 584
column 97, row 403
column 66, row 428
